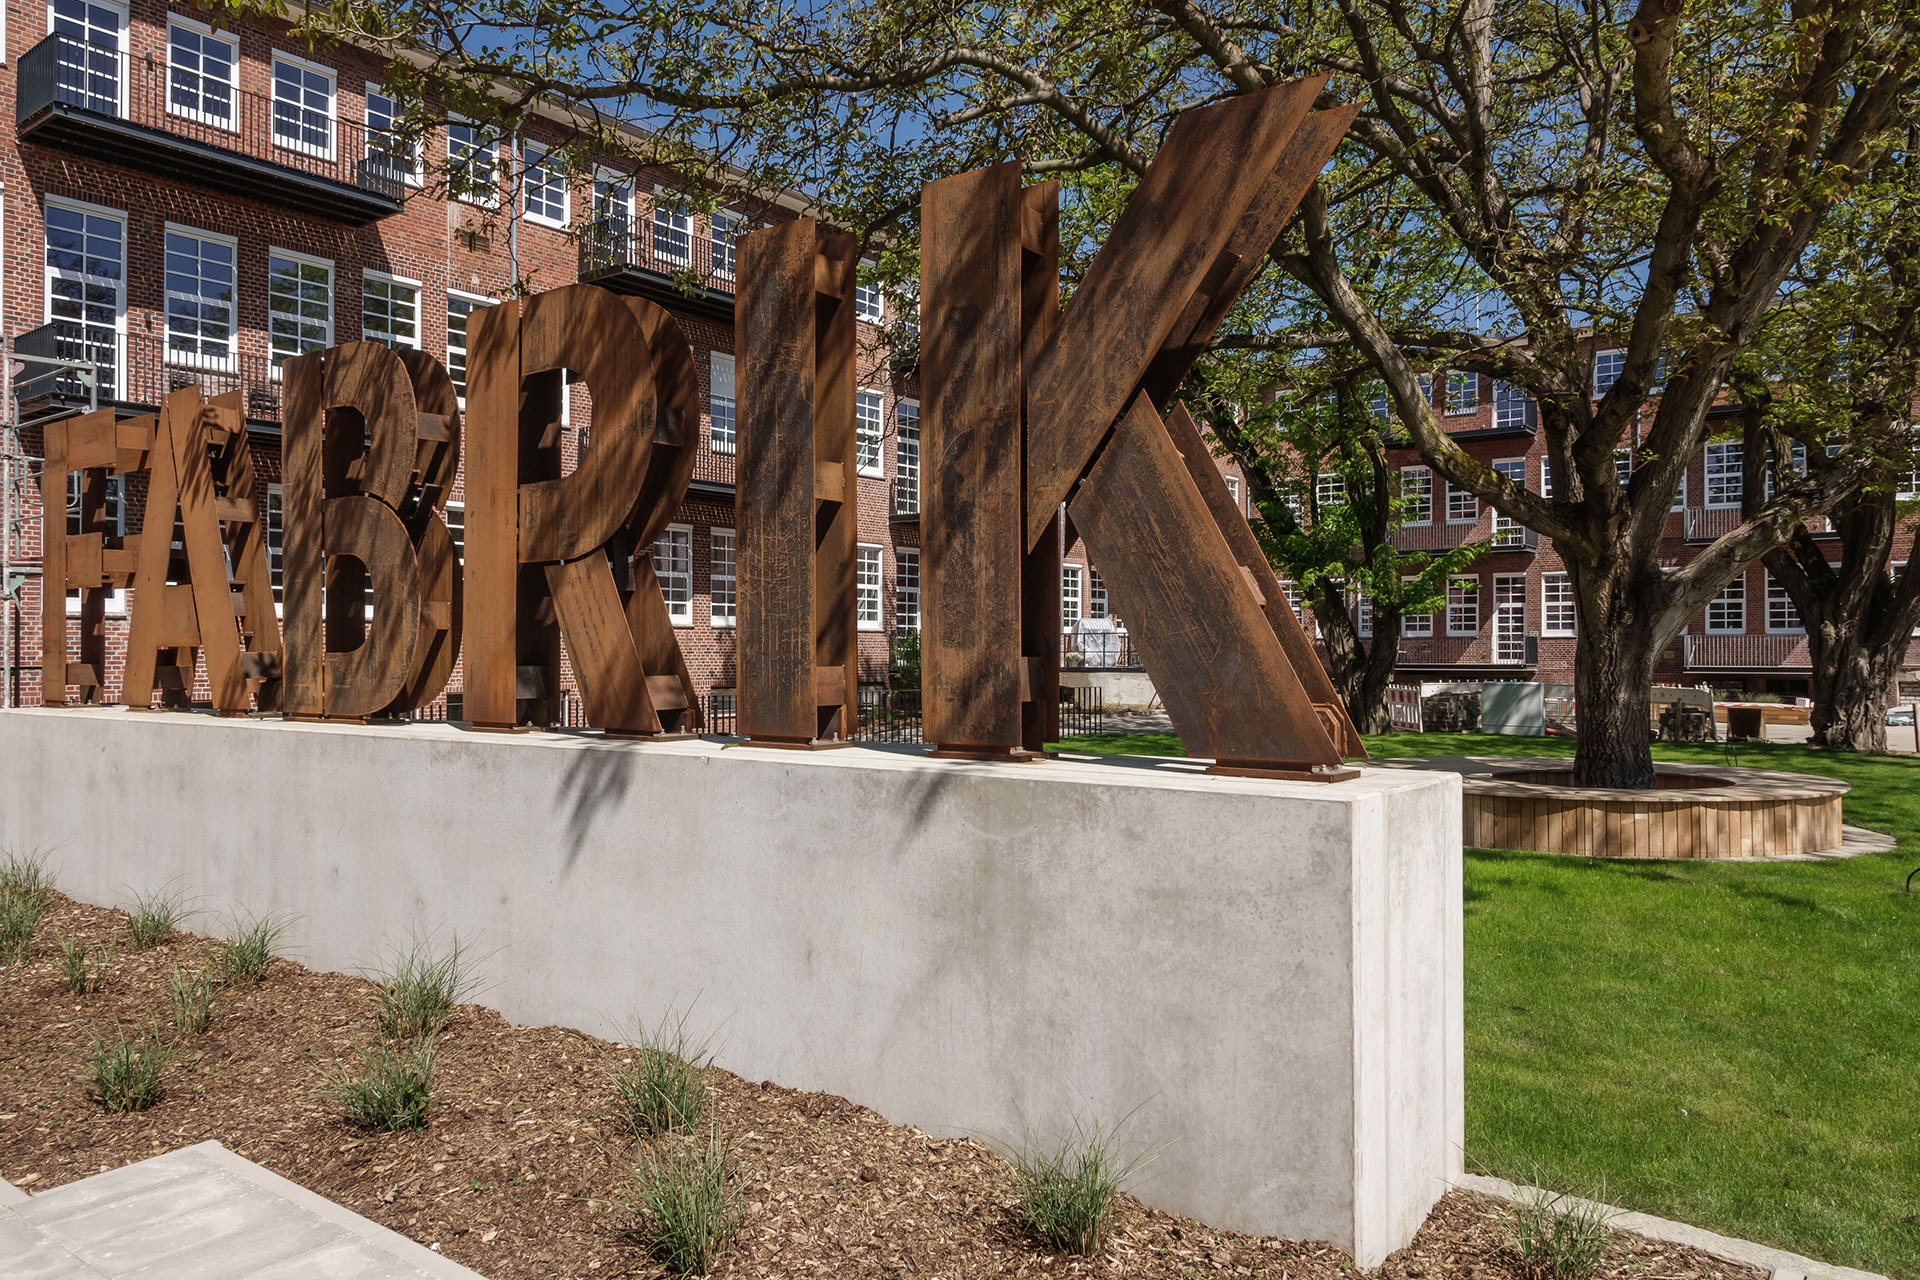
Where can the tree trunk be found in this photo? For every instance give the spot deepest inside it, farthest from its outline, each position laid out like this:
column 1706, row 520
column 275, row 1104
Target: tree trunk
column 1367, row 700
column 1612, row 679
column 1847, row 687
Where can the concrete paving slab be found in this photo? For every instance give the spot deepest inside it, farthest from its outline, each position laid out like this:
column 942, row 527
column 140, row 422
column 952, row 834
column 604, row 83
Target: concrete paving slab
column 29, row 1255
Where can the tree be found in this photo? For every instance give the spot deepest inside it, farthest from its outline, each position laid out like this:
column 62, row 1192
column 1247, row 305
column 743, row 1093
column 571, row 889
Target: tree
column 1548, row 172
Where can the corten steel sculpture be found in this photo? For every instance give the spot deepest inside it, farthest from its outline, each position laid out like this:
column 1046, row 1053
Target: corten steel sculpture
column 797, row 509
column 1239, row 679
column 95, row 560
column 368, row 567
column 556, row 556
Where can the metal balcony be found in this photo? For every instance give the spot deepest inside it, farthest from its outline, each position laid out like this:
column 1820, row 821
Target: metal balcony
column 85, row 100
column 1750, row 653
column 1704, row 524
column 135, row 372
column 682, row 271
column 1439, row 534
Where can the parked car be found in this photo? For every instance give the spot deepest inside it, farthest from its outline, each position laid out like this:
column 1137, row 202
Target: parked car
column 1900, row 716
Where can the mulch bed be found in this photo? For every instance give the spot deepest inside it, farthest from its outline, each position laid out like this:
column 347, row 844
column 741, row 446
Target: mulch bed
column 522, row 1150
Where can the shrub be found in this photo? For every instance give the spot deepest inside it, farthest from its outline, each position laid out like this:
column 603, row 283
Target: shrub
column 419, row 991
column 190, row 1000
column 1067, row 1191
column 1557, row 1237
column 693, row 1209
column 86, row 967
column 663, row 1087
column 388, row 1089
column 19, row 915
column 250, row 946
column 26, row 874
column 127, row 1073
column 154, row 918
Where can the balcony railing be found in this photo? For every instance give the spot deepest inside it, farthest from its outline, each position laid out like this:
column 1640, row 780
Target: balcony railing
column 1099, row 649
column 138, row 370
column 673, row 265
column 1748, row 653
column 1704, row 524
column 85, row 99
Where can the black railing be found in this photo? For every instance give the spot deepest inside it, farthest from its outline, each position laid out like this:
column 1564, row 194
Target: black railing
column 1087, row 649
column 688, row 254
column 139, row 370
column 81, row 76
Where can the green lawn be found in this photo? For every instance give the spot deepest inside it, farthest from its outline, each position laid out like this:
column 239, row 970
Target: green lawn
column 1735, row 1045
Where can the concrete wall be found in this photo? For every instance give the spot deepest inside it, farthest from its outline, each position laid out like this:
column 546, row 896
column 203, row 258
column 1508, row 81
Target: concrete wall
column 1117, row 688
column 1270, row 972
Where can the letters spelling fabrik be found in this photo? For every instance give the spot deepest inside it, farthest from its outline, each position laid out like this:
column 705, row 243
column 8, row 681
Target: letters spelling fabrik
column 1041, row 424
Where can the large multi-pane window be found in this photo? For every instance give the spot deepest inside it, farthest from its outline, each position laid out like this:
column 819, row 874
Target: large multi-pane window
column 906, row 588
column 1233, row 491
column 1097, row 607
column 1463, row 392
column 460, row 306
column 673, row 566
column 1782, row 617
column 1463, row 606
column 723, row 585
column 1328, row 491
column 869, row 426
column 303, row 106
column 202, row 72
column 723, row 229
column 1607, row 366
column 1506, row 531
column 1725, row 481
column 473, row 164
column 672, row 229
column 200, row 298
column 86, row 286
column 89, row 73
column 299, row 304
column 720, row 403
column 866, row 587
column 1509, row 405
column 276, row 540
column 1415, row 625
column 1069, row 596
column 1558, row 614
column 386, row 147
column 389, row 310
column 868, row 304
column 1462, row 506
column 544, row 183
column 1416, row 495
column 1727, row 612
column 906, row 458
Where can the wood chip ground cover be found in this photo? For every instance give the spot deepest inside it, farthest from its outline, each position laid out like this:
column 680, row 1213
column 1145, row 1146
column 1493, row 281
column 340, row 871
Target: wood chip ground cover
column 522, row 1151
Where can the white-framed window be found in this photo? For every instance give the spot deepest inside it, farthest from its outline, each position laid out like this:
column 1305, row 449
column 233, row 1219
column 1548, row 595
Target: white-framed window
column 455, row 516
column 868, row 305
column 1510, row 617
column 1559, row 615
column 201, row 323
column 906, row 457
column 203, row 72
column 544, row 184
column 86, row 285
column 277, row 541
column 1329, row 491
column 1415, row 625
column 1782, row 618
column 1296, row 601
column 869, row 425
column 672, row 228
column 1623, row 466
column 1727, row 612
column 723, row 230
column 1462, row 506
column 1463, row 393
column 1233, row 491
column 722, row 580
column 389, row 310
column 1606, row 370
column 866, row 587
column 1546, row 476
column 906, row 588
column 720, row 402
column 304, row 96
column 1363, row 614
column 673, row 566
column 1799, row 465
column 460, row 306
column 1097, row 607
column 1463, row 606
column 299, row 305
column 1680, row 494
column 385, row 147
column 1506, row 531
column 473, row 164
column 1416, row 495
column 1509, row 405
column 88, row 73
column 1069, row 596
column 1725, row 473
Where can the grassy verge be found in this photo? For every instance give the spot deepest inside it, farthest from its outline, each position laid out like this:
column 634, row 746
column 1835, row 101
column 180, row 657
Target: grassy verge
column 1735, row 1045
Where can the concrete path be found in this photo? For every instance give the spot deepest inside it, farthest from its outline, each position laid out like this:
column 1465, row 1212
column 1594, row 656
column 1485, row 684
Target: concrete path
column 200, row 1213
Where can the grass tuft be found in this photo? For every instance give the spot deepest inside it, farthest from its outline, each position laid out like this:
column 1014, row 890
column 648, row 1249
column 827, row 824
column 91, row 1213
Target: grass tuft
column 251, row 944
column 692, row 1206
column 420, row 989
column 155, row 917
column 1066, row 1191
column 127, row 1073
column 26, row 874
column 86, row 967
column 1557, row 1237
column 190, row 1000
column 663, row 1087
column 19, row 915
column 387, row 1090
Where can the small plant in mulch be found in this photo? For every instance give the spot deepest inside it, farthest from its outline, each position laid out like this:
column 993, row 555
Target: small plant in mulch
column 685, row 1192
column 251, row 944
column 388, row 1089
column 421, row 986
column 190, row 1000
column 127, row 1072
column 1557, row 1237
column 85, row 966
column 155, row 918
column 662, row 1088
column 1067, row 1191
column 26, row 874
column 20, row 914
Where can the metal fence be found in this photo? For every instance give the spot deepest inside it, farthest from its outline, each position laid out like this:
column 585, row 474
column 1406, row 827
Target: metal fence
column 1105, row 649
